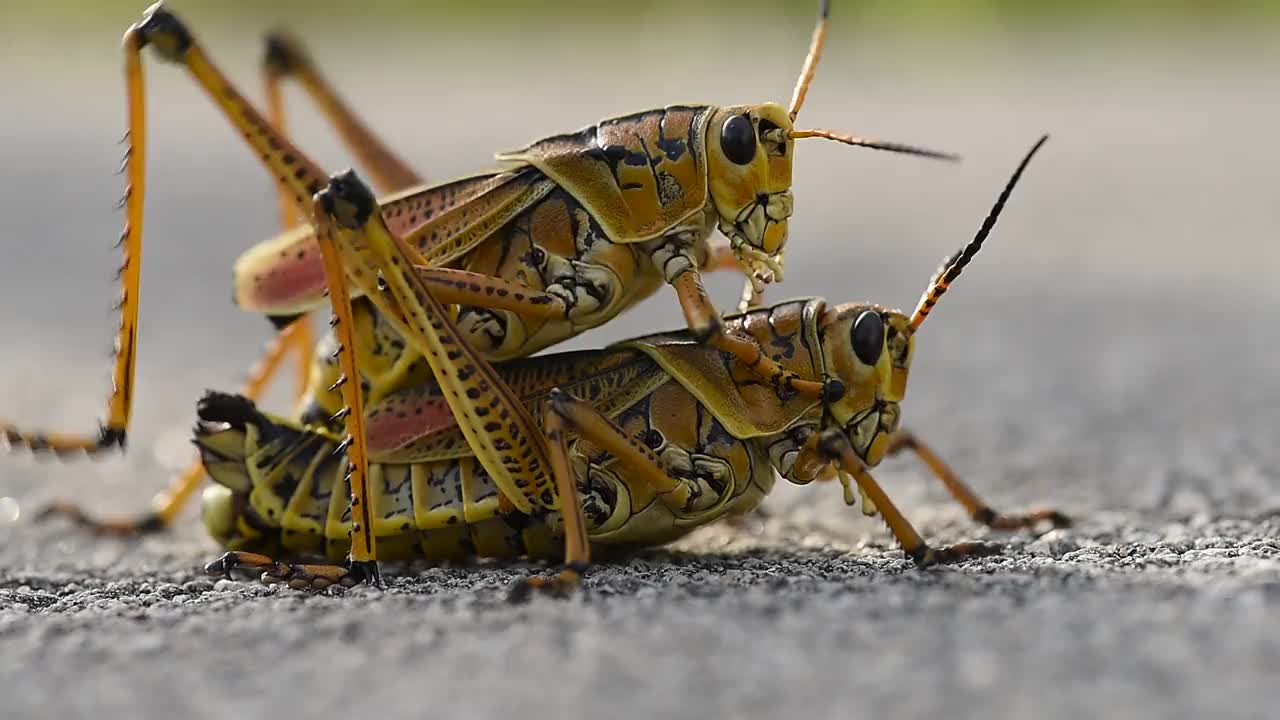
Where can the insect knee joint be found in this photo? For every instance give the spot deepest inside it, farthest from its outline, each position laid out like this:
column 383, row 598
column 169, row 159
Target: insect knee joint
column 348, row 200
column 280, row 322
column 713, row 327
column 831, row 443
column 832, row 390
column 163, row 30
column 559, row 402
column 282, row 57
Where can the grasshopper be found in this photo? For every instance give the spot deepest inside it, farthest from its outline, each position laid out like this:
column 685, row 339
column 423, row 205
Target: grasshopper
column 645, row 440
column 576, row 229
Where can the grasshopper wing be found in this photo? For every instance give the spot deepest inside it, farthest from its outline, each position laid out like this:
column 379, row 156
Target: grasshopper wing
column 285, row 275
column 414, row 425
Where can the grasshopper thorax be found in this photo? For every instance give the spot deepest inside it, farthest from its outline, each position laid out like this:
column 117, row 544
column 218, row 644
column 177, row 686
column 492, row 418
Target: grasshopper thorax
column 868, row 348
column 749, row 150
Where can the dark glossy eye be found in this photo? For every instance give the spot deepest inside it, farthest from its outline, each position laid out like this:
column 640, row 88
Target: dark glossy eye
column 868, row 337
column 738, row 139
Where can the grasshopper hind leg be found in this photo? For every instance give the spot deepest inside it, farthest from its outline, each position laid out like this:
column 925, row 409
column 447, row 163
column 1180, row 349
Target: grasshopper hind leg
column 299, row 576
column 286, row 57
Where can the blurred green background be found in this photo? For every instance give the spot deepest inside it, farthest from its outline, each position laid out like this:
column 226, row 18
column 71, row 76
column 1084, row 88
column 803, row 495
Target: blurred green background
column 916, row 14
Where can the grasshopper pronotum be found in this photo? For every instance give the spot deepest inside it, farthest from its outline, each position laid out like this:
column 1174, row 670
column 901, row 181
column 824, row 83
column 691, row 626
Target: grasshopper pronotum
column 578, row 228
column 645, row 441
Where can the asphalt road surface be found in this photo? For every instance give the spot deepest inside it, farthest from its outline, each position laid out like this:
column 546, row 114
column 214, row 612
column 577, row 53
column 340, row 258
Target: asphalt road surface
column 1111, row 353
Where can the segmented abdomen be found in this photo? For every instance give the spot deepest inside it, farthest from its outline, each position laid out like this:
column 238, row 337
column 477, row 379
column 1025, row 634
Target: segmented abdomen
column 292, row 496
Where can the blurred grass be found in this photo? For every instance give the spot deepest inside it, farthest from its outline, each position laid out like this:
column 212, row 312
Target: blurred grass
column 907, row 15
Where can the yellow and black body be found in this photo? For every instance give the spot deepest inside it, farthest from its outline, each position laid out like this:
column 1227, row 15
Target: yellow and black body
column 575, row 229
column 720, row 434
column 643, row 442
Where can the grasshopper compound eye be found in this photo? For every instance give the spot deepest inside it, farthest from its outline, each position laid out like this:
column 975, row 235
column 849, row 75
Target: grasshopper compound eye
column 738, row 139
column 867, row 337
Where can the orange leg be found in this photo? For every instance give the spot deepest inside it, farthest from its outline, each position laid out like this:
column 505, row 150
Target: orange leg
column 702, row 318
column 977, row 508
column 272, row 572
column 723, row 258
column 564, row 415
column 174, row 43
column 287, row 58
column 296, row 177
column 363, row 556
column 834, row 445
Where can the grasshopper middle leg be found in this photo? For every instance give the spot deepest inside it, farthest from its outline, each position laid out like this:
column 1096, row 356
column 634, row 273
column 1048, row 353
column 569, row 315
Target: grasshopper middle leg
column 285, row 57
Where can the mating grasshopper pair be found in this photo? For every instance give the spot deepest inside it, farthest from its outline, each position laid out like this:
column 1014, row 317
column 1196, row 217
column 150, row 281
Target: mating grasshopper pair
column 448, row 278
column 645, row 441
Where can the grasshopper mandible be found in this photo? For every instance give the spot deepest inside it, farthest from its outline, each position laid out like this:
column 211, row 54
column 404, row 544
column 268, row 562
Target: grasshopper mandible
column 578, row 228
column 646, row 441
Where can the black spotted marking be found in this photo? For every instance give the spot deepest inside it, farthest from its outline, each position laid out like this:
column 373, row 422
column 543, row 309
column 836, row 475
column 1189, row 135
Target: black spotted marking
column 673, row 148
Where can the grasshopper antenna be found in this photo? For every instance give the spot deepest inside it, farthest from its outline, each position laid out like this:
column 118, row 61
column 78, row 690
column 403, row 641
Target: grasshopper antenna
column 955, row 264
column 811, row 60
column 802, row 89
column 875, row 144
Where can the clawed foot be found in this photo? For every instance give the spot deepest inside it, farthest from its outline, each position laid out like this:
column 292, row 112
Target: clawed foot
column 563, row 584
column 1032, row 521
column 926, row 556
column 296, row 576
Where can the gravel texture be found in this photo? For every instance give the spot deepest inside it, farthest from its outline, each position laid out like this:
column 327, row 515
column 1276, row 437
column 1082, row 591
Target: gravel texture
column 1112, row 354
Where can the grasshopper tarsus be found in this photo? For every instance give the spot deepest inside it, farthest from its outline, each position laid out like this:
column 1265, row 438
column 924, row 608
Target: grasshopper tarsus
column 561, row 585
column 926, row 556
column 366, row 572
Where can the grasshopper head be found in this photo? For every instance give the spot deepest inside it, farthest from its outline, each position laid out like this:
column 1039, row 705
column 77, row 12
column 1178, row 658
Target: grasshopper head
column 869, row 348
column 749, row 152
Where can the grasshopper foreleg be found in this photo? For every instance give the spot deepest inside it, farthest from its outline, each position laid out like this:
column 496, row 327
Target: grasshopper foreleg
column 724, row 258
column 977, row 508
column 834, row 445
